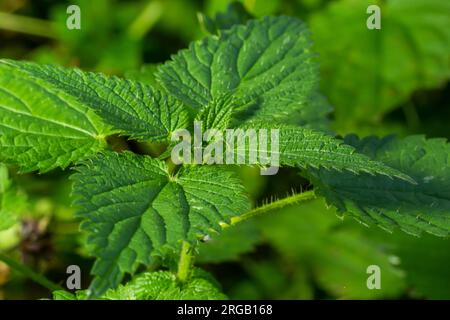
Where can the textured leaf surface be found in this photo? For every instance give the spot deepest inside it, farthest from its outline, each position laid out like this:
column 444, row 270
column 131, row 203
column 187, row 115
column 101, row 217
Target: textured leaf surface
column 305, row 148
column 133, row 209
column 7, row 218
column 217, row 113
column 42, row 126
column 145, row 74
column 160, row 285
column 314, row 114
column 411, row 51
column 133, row 108
column 266, row 64
column 391, row 203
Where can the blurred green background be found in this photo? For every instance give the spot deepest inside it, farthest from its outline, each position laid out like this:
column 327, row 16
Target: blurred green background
column 393, row 80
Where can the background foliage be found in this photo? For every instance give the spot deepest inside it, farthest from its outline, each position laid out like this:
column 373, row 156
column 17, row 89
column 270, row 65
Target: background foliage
column 392, row 81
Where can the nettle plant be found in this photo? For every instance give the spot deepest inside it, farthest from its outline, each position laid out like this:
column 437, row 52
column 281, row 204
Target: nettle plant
column 143, row 211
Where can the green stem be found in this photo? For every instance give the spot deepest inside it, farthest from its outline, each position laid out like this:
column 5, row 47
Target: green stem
column 146, row 20
column 187, row 257
column 185, row 263
column 296, row 198
column 29, row 273
column 33, row 26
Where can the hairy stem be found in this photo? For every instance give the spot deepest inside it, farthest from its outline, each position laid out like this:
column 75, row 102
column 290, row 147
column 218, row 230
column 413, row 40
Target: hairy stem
column 29, row 273
column 296, row 198
column 187, row 253
column 185, row 262
column 27, row 25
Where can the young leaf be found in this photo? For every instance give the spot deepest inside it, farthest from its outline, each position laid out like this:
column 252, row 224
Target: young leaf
column 133, row 208
column 161, row 285
column 145, row 74
column 390, row 203
column 308, row 149
column 41, row 126
column 266, row 64
column 135, row 109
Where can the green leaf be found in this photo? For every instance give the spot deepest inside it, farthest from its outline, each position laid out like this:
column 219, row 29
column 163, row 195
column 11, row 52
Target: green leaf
column 266, row 64
column 391, row 203
column 377, row 70
column 43, row 127
column 161, row 285
column 133, row 209
column 424, row 275
column 218, row 113
column 268, row 279
column 308, row 149
column 132, row 108
column 234, row 14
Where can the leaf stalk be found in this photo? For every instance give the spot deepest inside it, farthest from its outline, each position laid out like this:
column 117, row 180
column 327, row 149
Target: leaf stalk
column 185, row 262
column 296, row 198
